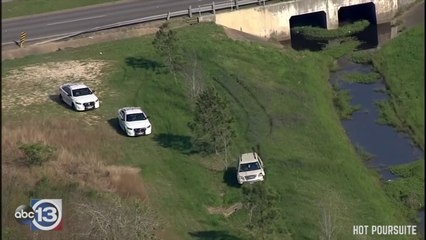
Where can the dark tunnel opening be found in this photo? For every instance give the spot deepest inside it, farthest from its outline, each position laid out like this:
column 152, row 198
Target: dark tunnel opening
column 366, row 11
column 316, row 19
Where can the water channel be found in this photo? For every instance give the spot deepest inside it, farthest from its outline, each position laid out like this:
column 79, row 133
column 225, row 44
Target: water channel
column 388, row 147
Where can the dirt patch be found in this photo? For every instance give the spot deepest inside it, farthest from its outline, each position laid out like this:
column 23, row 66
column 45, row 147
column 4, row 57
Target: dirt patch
column 36, row 84
column 242, row 36
column 225, row 211
column 414, row 16
column 167, row 233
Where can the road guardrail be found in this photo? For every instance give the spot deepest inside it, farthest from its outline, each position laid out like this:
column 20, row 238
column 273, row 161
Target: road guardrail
column 210, row 8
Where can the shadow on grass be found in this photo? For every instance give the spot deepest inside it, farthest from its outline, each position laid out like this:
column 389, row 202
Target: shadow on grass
column 230, row 177
column 55, row 99
column 113, row 122
column 177, row 142
column 141, row 62
column 213, row 235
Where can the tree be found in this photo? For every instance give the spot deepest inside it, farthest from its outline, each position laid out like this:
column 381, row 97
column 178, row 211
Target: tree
column 116, row 219
column 328, row 224
column 165, row 43
column 212, row 124
column 261, row 201
column 191, row 71
column 330, row 205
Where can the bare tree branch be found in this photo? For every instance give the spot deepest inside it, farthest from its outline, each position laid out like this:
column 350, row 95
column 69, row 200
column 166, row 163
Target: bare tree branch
column 117, row 220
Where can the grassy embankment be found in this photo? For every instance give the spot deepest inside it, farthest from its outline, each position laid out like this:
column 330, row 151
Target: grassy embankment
column 18, row 8
column 409, row 188
column 281, row 100
column 401, row 62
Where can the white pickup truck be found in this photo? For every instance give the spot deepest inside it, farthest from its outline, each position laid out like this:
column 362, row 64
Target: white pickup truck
column 78, row 96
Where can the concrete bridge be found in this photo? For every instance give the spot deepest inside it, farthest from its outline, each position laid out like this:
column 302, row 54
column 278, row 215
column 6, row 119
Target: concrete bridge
column 275, row 20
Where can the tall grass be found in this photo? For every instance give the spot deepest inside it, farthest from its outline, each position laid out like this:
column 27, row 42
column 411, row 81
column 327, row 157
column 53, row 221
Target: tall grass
column 72, row 174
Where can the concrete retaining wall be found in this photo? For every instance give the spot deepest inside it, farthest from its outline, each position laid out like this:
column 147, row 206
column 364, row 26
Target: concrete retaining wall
column 274, row 20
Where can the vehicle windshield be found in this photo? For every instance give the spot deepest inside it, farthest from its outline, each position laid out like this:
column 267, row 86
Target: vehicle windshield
column 81, row 92
column 245, row 167
column 135, row 117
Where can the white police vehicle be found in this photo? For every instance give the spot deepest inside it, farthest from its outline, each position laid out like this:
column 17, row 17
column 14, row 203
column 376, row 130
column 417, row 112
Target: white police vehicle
column 250, row 168
column 134, row 121
column 78, row 96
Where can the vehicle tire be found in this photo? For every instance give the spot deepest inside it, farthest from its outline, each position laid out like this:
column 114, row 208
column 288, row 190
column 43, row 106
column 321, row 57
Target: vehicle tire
column 73, row 106
column 60, row 98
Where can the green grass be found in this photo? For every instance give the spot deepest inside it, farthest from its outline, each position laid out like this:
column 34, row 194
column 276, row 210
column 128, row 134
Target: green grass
column 281, row 101
column 317, row 33
column 401, row 62
column 365, row 78
column 361, row 57
column 342, row 102
column 363, row 154
column 409, row 188
column 17, row 8
column 340, row 47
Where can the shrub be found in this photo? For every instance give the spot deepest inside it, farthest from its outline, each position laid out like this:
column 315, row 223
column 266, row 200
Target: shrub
column 36, row 153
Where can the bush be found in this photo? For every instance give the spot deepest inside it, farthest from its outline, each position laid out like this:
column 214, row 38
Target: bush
column 36, row 153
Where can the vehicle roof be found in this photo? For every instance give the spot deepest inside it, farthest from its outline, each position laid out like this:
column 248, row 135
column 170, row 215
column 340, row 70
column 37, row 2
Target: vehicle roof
column 73, row 86
column 248, row 157
column 131, row 110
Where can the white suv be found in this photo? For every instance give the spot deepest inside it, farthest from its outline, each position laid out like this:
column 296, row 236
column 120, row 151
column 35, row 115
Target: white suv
column 134, row 121
column 78, row 96
column 250, row 168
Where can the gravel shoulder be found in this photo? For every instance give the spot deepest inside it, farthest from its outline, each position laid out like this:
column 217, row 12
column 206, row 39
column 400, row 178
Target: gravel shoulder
column 13, row 51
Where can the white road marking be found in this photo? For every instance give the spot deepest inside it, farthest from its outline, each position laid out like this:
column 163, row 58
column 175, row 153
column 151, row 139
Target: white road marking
column 75, row 20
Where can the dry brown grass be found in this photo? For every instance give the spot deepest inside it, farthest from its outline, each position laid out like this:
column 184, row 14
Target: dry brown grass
column 77, row 157
column 225, row 211
column 35, row 84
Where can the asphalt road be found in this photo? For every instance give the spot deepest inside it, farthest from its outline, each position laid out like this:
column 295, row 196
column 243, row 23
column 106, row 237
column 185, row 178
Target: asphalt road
column 51, row 25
